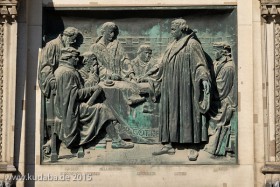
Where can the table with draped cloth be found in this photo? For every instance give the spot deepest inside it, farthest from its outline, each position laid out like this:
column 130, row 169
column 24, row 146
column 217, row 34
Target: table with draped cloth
column 134, row 109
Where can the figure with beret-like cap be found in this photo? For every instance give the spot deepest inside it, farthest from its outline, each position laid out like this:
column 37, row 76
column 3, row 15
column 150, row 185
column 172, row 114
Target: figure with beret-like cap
column 48, row 63
column 224, row 100
column 80, row 118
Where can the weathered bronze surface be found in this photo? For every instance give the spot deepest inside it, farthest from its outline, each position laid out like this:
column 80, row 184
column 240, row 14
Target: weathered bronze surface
column 135, row 86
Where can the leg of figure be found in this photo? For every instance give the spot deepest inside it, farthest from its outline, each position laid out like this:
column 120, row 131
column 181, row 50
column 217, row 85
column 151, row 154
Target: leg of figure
column 192, row 153
column 117, row 141
column 166, row 149
column 80, row 153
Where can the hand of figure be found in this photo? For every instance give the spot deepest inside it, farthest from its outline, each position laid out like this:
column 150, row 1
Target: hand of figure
column 116, row 77
column 93, row 69
column 53, row 84
column 142, row 79
column 206, row 86
column 132, row 77
column 97, row 87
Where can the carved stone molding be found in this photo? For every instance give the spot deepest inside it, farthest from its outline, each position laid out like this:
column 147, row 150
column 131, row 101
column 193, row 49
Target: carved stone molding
column 277, row 90
column 8, row 9
column 1, row 84
column 270, row 1
column 8, row 46
column 270, row 8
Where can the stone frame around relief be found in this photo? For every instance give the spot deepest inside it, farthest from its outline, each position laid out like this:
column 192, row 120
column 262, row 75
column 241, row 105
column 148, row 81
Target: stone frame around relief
column 212, row 24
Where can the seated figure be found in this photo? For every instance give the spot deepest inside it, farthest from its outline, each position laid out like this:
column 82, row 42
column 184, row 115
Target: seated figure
column 79, row 118
column 142, row 67
column 89, row 70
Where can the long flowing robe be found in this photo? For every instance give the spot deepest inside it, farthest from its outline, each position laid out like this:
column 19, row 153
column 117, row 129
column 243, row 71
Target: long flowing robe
column 110, row 58
column 181, row 104
column 48, row 63
column 80, row 123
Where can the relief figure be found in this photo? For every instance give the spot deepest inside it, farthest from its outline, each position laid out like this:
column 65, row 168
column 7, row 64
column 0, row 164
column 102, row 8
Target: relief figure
column 170, row 96
column 146, row 69
column 224, row 100
column 110, row 53
column 89, row 70
column 78, row 118
column 50, row 56
column 48, row 63
column 185, row 90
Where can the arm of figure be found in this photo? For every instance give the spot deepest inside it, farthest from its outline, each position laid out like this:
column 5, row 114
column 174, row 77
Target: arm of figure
column 199, row 65
column 153, row 70
column 127, row 69
column 142, row 79
column 225, row 81
column 85, row 93
column 46, row 77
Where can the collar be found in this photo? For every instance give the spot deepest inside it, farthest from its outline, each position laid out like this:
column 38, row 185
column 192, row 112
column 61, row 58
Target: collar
column 176, row 46
column 65, row 63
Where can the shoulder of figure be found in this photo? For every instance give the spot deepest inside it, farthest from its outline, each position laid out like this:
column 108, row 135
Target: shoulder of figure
column 193, row 42
column 229, row 65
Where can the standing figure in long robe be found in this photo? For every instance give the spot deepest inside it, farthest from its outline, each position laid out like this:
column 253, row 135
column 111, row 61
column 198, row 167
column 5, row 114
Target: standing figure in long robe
column 50, row 56
column 110, row 53
column 80, row 121
column 184, row 91
column 48, row 63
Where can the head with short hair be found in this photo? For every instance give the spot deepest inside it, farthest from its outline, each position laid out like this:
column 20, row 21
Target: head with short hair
column 70, row 31
column 144, row 48
column 109, row 25
column 182, row 24
column 109, row 30
column 145, row 53
column 179, row 28
column 69, row 36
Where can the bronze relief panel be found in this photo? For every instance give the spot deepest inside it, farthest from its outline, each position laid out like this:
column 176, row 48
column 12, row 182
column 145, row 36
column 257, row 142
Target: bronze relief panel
column 139, row 85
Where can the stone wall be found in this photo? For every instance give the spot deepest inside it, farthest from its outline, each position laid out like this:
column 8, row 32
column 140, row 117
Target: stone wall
column 255, row 137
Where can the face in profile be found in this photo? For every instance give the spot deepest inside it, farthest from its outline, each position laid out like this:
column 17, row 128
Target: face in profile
column 69, row 41
column 92, row 63
column 218, row 54
column 110, row 34
column 146, row 55
column 74, row 60
column 176, row 31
